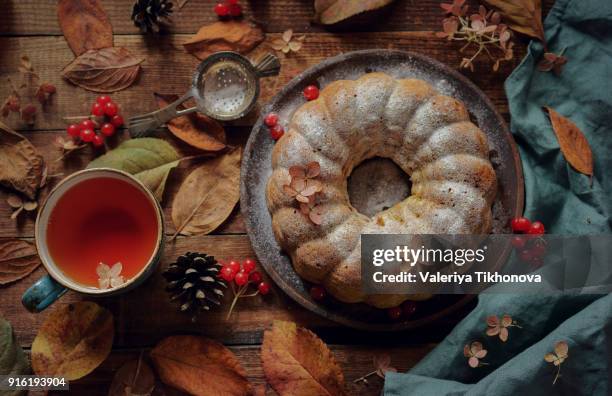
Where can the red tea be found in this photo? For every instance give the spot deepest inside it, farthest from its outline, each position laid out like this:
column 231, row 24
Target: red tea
column 101, row 220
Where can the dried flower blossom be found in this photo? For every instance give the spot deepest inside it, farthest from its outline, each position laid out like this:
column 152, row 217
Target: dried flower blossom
column 67, row 146
column 482, row 31
column 474, row 352
column 500, row 327
column 109, row 277
column 17, row 203
column 557, row 357
column 382, row 364
column 551, row 61
column 288, row 43
column 29, row 89
column 306, row 190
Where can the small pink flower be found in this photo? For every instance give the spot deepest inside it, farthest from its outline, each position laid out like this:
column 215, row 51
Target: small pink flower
column 474, row 352
column 558, row 357
column 500, row 327
column 457, row 8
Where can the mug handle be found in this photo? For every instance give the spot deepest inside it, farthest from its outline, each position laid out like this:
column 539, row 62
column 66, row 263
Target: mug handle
column 42, row 294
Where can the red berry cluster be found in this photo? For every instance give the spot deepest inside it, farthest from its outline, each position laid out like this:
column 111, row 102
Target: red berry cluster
column 406, row 310
column 229, row 8
column 530, row 248
column 85, row 131
column 276, row 129
column 243, row 275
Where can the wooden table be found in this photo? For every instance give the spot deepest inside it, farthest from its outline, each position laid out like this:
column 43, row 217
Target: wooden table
column 145, row 316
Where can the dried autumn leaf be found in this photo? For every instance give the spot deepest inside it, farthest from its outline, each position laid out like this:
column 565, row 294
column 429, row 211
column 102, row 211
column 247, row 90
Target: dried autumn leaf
column 12, row 359
column 194, row 129
column 329, row 12
column 208, row 195
column 573, row 143
column 17, row 260
column 523, row 16
column 21, row 165
column 199, row 366
column 149, row 159
column 73, row 341
column 85, row 25
column 134, row 378
column 237, row 36
column 297, row 363
column 104, row 70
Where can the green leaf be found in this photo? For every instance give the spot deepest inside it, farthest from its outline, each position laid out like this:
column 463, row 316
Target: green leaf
column 12, row 359
column 149, row 159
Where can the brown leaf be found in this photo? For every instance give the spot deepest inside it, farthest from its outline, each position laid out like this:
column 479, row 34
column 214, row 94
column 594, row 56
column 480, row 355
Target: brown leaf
column 105, row 70
column 85, row 25
column 238, row 36
column 329, row 12
column 73, row 341
column 194, row 129
column 208, row 195
column 199, row 366
column 17, row 260
column 297, row 363
column 134, row 378
column 21, row 165
column 523, row 16
column 573, row 143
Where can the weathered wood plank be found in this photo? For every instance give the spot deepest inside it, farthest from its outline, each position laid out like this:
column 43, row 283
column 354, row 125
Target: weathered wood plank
column 168, row 68
column 356, row 361
column 145, row 315
column 43, row 140
column 28, row 17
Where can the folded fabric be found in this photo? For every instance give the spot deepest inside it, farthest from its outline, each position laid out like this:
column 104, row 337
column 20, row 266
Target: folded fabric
column 566, row 202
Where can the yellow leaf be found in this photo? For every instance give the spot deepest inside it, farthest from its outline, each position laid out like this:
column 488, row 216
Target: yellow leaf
column 329, row 12
column 73, row 341
column 297, row 363
column 573, row 143
column 523, row 16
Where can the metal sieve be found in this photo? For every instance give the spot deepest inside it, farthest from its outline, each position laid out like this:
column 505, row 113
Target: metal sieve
column 225, row 87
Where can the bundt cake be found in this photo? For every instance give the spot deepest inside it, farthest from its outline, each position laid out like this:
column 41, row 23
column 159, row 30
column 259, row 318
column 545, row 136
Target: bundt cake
column 428, row 135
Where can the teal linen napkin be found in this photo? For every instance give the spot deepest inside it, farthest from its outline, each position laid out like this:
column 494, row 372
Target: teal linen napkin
column 567, row 204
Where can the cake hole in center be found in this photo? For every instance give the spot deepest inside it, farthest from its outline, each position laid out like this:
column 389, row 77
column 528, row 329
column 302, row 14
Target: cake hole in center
column 377, row 184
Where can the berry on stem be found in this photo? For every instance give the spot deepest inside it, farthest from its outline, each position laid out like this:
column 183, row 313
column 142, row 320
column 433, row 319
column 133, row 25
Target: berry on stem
column 97, row 141
column 234, row 266
column 317, row 293
column 103, row 99
column 311, row 92
column 518, row 242
column 73, row 130
column 107, row 129
column 248, row 265
column 255, row 277
column 271, row 119
column 394, row 313
column 241, row 278
column 235, row 10
column 97, row 109
column 520, row 224
column 117, row 121
column 87, row 124
column 111, row 109
column 263, row 288
column 87, row 135
column 227, row 274
column 536, row 228
column 277, row 131
column 221, row 10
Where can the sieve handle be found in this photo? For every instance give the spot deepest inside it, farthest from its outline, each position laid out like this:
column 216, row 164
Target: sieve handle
column 267, row 66
column 141, row 125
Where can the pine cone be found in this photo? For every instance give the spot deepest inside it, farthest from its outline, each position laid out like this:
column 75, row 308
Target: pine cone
column 193, row 281
column 149, row 14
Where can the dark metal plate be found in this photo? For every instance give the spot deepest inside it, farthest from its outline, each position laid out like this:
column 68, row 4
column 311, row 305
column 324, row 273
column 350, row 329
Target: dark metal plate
column 256, row 169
